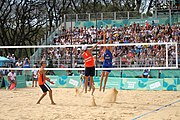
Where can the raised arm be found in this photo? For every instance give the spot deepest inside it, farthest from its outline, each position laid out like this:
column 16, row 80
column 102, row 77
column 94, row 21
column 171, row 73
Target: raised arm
column 104, row 40
column 93, row 47
column 110, row 42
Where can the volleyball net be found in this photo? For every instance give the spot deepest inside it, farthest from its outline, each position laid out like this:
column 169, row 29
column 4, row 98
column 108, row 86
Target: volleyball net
column 126, row 56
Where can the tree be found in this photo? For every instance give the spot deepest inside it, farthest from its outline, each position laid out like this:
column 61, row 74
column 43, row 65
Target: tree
column 20, row 23
column 24, row 22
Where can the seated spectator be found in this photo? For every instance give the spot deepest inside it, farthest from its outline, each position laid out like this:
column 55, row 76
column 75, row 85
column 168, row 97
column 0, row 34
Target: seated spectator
column 9, row 56
column 19, row 65
column 13, row 60
column 142, row 55
column 146, row 74
column 12, row 78
column 69, row 72
column 26, row 64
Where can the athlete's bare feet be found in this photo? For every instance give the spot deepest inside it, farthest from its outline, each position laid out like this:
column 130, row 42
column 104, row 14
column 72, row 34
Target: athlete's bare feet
column 89, row 89
column 100, row 89
column 103, row 89
column 53, row 103
column 93, row 89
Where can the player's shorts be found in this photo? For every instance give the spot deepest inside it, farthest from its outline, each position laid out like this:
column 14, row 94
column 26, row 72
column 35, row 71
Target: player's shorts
column 89, row 71
column 35, row 79
column 105, row 66
column 45, row 87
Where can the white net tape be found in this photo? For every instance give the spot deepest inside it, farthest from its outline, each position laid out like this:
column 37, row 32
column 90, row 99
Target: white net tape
column 113, row 45
column 135, row 68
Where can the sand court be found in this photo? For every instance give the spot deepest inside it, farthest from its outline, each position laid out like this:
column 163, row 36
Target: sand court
column 21, row 104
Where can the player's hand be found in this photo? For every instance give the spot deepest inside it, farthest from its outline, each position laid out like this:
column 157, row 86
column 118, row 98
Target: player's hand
column 51, row 82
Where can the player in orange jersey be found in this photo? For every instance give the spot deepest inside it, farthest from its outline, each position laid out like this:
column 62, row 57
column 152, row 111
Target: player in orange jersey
column 89, row 66
column 42, row 83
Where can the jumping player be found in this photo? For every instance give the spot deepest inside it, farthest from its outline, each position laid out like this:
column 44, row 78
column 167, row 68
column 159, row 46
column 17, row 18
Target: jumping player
column 42, row 83
column 89, row 66
column 107, row 62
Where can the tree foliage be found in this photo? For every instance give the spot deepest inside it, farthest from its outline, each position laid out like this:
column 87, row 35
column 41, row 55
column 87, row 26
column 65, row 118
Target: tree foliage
column 20, row 22
column 24, row 22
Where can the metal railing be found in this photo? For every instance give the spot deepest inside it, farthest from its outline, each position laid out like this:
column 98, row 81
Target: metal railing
column 168, row 13
column 104, row 16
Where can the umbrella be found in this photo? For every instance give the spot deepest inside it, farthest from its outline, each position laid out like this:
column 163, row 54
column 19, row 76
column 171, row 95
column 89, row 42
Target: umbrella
column 3, row 60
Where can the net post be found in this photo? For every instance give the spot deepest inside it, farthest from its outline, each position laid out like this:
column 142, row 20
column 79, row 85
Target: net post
column 176, row 54
column 166, row 55
column 34, row 56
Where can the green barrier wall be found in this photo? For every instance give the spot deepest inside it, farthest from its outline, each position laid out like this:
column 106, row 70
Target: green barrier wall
column 128, row 73
column 1, row 80
column 119, row 83
column 170, row 74
column 121, row 22
column 132, row 73
column 141, row 84
column 172, row 84
column 154, row 73
column 21, row 83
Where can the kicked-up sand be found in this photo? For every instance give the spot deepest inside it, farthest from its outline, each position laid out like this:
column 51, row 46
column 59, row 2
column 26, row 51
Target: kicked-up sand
column 143, row 105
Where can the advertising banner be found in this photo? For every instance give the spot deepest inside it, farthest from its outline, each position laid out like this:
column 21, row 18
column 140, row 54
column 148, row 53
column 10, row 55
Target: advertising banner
column 141, row 84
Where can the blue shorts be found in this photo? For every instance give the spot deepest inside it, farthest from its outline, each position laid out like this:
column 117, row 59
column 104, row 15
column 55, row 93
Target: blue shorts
column 105, row 66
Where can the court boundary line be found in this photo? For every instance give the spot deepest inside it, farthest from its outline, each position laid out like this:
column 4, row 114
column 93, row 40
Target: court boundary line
column 162, row 107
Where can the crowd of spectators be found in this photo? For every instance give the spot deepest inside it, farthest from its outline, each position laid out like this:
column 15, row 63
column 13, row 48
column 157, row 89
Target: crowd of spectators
column 16, row 63
column 123, row 56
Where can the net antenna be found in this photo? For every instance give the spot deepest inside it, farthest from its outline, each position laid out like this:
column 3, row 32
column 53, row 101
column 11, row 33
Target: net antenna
column 168, row 59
